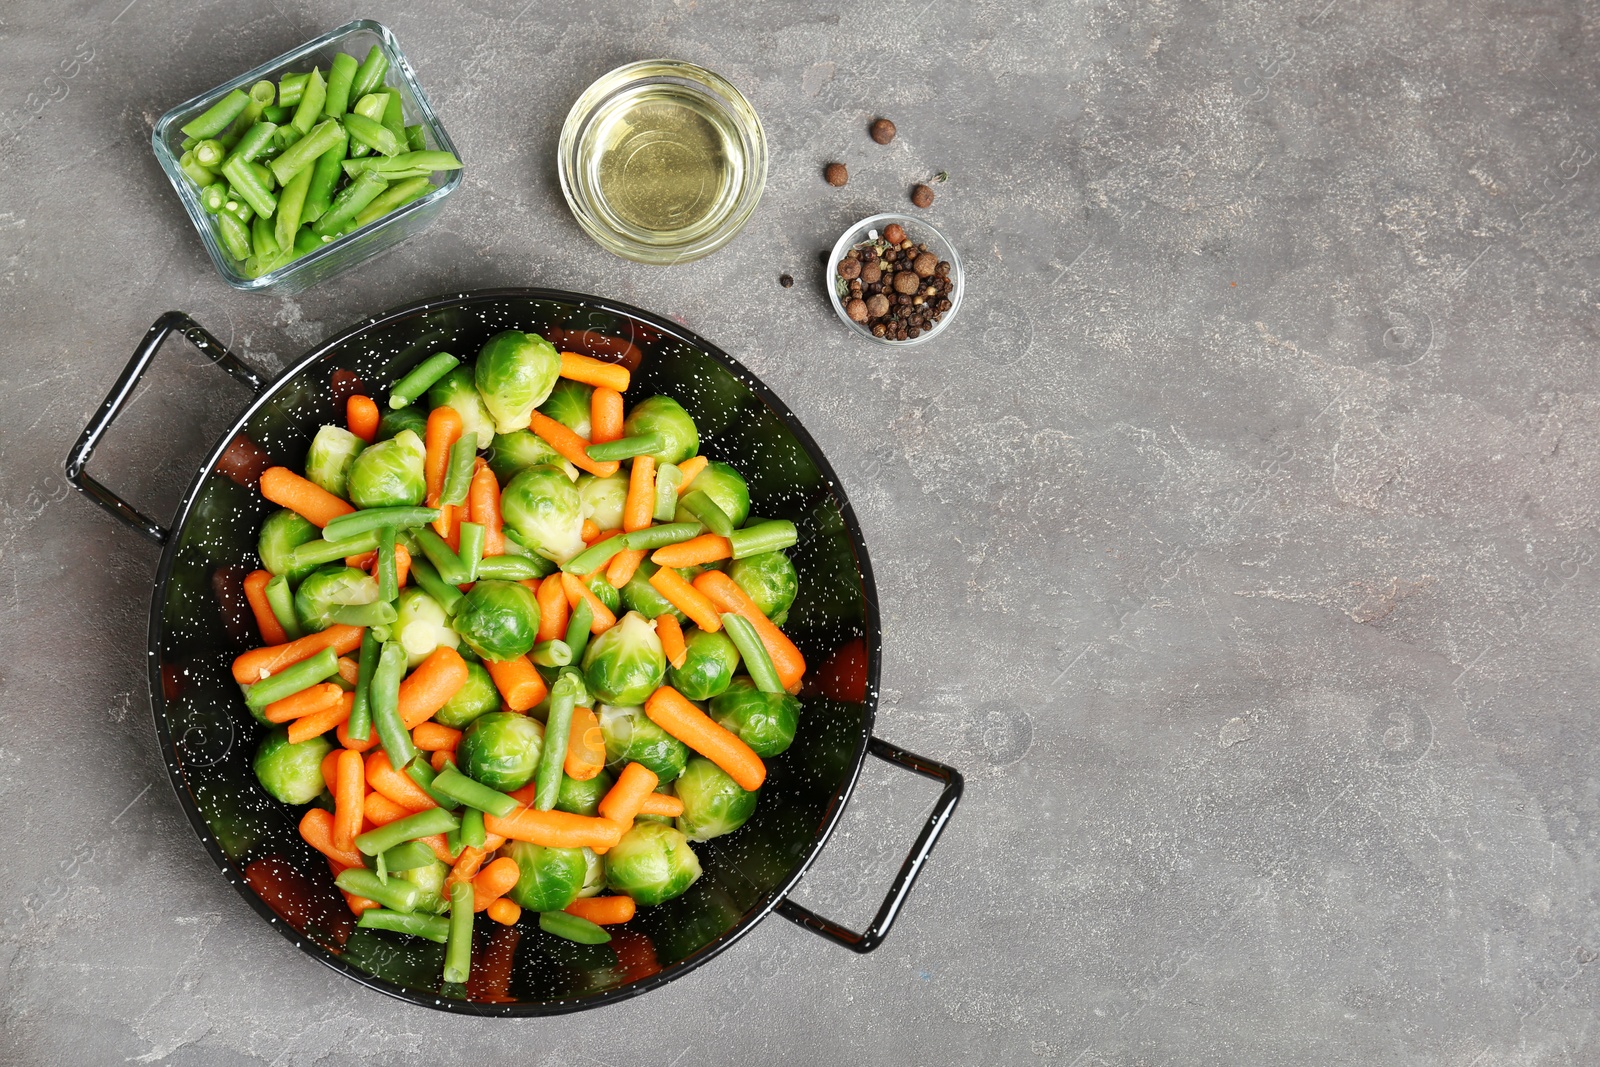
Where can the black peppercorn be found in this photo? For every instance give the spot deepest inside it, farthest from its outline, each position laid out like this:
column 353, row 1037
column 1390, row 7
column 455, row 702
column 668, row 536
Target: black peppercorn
column 786, row 280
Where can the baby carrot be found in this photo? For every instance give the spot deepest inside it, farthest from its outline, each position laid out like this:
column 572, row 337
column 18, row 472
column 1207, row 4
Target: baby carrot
column 619, row 572
column 402, row 565
column 361, row 415
column 722, row 592
column 586, row 746
column 596, row 372
column 605, row 415
column 570, row 446
column 441, row 847
column 381, row 811
column 603, row 911
column 519, row 682
column 432, row 737
column 638, row 508
column 330, row 765
column 320, row 722
column 350, row 781
column 444, row 429
column 687, row 599
column 255, row 591
column 250, row 667
column 438, row 759
column 671, row 635
column 576, row 590
column 661, row 804
column 396, row 785
column 552, row 609
column 316, row 829
column 431, row 686
column 554, row 829
column 351, row 743
column 466, row 868
column 506, row 911
column 483, row 508
column 313, row 503
column 668, row 709
column 621, row 804
column 319, row 697
column 707, row 548
column 494, row 882
column 690, row 467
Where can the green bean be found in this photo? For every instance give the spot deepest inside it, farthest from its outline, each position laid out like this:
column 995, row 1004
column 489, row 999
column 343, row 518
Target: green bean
column 472, row 832
column 424, row 823
column 254, row 140
column 448, row 596
column 263, row 175
column 215, row 119
column 325, row 175
column 196, row 173
column 416, row 139
column 388, row 578
column 439, row 554
column 572, row 928
column 370, row 519
column 210, row 153
column 359, row 726
column 372, row 134
column 397, row 894
column 293, row 678
column 385, row 702
column 213, row 197
column 307, row 150
column 757, row 662
column 322, row 550
column 627, row 447
column 290, row 88
column 428, row 161
column 377, row 613
column 283, row 138
column 471, row 554
column 348, row 204
column 235, row 236
column 371, row 106
column 557, row 733
column 458, row 787
column 595, row 556
column 452, row 842
column 458, row 470
column 280, row 598
column 238, row 209
column 341, row 76
column 669, row 476
column 515, row 547
column 291, row 204
column 770, row 536
column 702, row 507
column 312, row 98
column 396, row 196
column 458, row 951
column 248, row 187
column 508, row 568
column 432, row 927
column 578, row 625
column 655, row 537
column 276, row 113
column 419, row 770
column 407, row 856
column 262, row 94
column 552, row 653
column 370, row 74
column 421, row 378
column 306, row 242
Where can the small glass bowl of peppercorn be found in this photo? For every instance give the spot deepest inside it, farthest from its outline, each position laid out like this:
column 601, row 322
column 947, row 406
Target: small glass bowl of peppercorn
column 895, row 280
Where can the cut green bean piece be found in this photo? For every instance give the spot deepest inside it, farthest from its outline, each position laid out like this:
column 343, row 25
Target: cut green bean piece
column 341, row 76
column 248, row 187
column 213, row 197
column 416, row 139
column 312, row 98
column 458, row 470
column 669, row 476
column 424, row 823
column 210, row 153
column 770, row 536
column 307, row 150
column 578, row 625
column 277, row 114
column 370, row 106
column 325, row 175
column 216, row 118
column 419, row 770
column 393, row 198
column 458, row 950
column 359, row 727
column 448, row 596
column 372, row 134
column 432, row 927
column 564, row 696
column 397, row 894
column 407, row 856
column 322, row 550
column 264, row 175
column 255, row 139
column 280, row 598
column 377, row 613
column 421, row 378
column 388, row 576
column 552, row 653
column 471, row 554
column 349, row 203
column 472, row 832
column 756, row 659
column 445, row 561
column 286, row 224
column 627, row 447
column 197, row 174
column 595, row 556
column 239, row 210
column 699, row 504
column 369, row 519
column 464, row 790
column 290, row 88
column 573, row 928
column 370, row 74
column 393, row 118
column 293, row 678
column 235, row 236
column 508, row 568
column 385, row 701
column 654, row 537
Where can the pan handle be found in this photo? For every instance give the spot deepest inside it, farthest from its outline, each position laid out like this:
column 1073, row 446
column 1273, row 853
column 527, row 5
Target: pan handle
column 118, row 398
column 875, row 932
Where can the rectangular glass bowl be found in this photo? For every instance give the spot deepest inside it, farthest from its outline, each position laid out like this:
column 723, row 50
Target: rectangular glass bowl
column 356, row 38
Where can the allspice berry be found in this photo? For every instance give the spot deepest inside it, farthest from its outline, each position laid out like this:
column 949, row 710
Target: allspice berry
column 894, row 233
column 837, row 174
column 871, row 273
column 922, row 196
column 857, row 310
column 877, row 305
column 924, row 264
column 905, row 282
column 882, row 131
column 849, row 268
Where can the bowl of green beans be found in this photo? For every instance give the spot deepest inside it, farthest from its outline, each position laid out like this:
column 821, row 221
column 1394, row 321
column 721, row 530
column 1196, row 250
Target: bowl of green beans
column 311, row 163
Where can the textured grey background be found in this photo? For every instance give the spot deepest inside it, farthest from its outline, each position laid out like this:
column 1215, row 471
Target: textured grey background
column 1236, row 540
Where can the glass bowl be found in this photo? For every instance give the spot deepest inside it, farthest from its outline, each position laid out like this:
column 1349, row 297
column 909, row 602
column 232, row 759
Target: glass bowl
column 603, row 139
column 338, row 255
column 916, row 230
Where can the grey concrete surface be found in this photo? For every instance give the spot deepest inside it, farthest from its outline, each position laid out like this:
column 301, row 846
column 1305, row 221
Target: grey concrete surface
column 1237, row 540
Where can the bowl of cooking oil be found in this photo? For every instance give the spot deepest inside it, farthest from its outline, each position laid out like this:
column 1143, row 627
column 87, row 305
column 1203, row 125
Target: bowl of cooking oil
column 662, row 161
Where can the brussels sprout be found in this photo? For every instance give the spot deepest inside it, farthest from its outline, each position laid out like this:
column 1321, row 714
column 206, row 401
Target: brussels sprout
column 602, row 498
column 569, row 404
column 501, row 750
column 639, row 595
column 625, row 664
column 713, row 803
column 410, row 418
column 551, row 878
column 328, row 460
column 477, row 696
column 389, row 473
column 764, row 721
column 652, row 863
column 583, row 798
column 543, row 507
column 665, row 416
column 515, row 374
column 594, row 875
column 770, row 580
column 281, row 534
column 429, row 878
column 631, row 737
column 422, row 626
column 726, row 488
column 330, row 595
column 500, row 620
column 513, row 452
column 605, row 592
column 291, row 773
column 708, row 665
column 455, row 390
